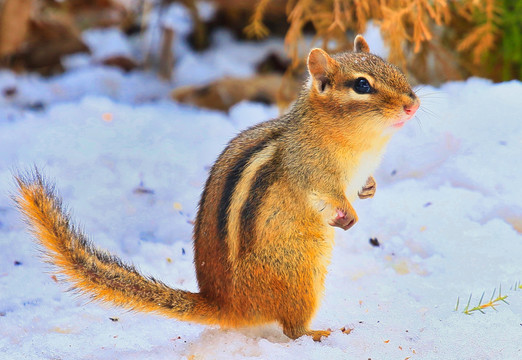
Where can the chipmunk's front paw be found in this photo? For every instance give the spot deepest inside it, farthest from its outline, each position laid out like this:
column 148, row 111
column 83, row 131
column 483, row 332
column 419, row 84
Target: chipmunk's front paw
column 368, row 189
column 343, row 219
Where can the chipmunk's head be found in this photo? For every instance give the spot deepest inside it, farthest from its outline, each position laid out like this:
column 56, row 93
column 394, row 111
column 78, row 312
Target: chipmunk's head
column 367, row 89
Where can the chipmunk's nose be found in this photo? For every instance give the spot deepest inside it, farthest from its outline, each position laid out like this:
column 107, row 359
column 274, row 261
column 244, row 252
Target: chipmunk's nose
column 411, row 109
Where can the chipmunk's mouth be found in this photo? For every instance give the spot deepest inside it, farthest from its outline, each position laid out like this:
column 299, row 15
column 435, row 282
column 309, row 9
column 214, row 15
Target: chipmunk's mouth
column 401, row 121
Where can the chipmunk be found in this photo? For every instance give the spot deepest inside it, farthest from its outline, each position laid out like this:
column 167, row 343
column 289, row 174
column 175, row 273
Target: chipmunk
column 264, row 228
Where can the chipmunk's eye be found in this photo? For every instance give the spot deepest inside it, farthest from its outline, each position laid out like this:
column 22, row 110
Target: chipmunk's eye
column 362, row 86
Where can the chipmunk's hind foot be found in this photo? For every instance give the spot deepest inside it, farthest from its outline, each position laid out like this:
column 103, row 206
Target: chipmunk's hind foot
column 297, row 332
column 317, row 335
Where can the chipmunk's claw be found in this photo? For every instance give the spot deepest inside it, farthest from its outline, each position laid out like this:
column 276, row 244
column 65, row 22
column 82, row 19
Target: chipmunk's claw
column 368, row 189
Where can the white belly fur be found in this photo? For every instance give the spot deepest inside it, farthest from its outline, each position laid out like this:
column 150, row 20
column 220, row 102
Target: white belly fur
column 368, row 163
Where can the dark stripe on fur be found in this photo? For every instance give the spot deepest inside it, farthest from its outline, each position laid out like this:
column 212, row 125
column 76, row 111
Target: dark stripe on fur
column 264, row 178
column 231, row 182
column 201, row 205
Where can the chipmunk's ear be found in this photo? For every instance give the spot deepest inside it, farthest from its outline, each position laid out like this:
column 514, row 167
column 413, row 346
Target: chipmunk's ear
column 360, row 45
column 320, row 65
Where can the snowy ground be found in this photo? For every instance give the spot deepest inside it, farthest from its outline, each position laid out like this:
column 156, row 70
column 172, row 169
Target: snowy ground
column 447, row 214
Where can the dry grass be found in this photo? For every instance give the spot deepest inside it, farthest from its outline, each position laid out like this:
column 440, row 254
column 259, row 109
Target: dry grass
column 460, row 36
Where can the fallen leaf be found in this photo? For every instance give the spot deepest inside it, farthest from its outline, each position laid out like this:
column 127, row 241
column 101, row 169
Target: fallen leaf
column 222, row 94
column 125, row 63
column 107, row 117
column 345, row 330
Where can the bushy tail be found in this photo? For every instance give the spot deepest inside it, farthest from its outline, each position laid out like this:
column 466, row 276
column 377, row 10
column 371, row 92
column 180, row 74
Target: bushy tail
column 96, row 273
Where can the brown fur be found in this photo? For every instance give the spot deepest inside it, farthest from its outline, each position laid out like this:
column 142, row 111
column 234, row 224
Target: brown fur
column 263, row 233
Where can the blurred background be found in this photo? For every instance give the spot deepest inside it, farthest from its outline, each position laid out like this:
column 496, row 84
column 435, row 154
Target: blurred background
column 433, row 41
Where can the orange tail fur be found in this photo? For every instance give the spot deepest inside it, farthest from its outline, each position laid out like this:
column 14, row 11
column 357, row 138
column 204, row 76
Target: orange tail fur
column 97, row 273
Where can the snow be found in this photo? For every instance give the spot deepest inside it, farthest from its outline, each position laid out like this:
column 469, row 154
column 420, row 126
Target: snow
column 105, row 43
column 447, row 214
